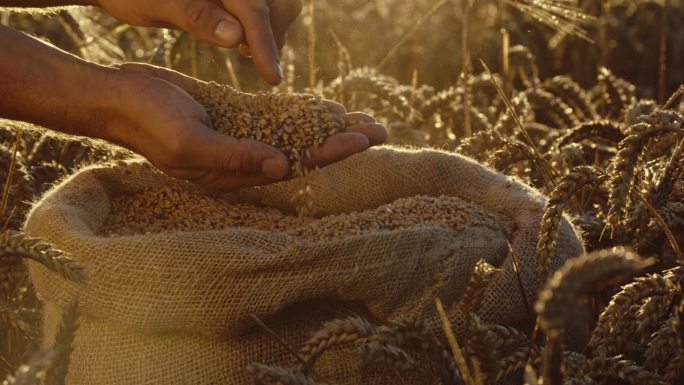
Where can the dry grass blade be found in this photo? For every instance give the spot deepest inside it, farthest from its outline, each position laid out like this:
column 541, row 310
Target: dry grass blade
column 312, row 44
column 277, row 338
column 556, row 14
column 424, row 18
column 13, row 244
column 521, row 285
column 546, row 169
column 673, row 98
column 530, row 376
column 459, row 358
column 10, row 175
column 662, row 51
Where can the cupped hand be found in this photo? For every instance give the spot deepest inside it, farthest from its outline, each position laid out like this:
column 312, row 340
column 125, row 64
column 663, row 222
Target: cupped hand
column 168, row 127
column 260, row 25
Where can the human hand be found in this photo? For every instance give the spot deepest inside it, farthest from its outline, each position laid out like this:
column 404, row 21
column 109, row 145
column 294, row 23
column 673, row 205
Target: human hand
column 260, row 24
column 168, row 127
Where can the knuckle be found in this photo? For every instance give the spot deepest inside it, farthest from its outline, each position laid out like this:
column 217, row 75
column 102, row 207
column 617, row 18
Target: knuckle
column 260, row 8
column 196, row 13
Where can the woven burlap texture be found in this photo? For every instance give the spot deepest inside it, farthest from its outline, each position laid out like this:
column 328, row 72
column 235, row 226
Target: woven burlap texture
column 176, row 307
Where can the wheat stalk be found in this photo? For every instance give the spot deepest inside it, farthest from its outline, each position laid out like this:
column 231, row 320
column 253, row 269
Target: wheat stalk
column 626, row 370
column 333, row 333
column 577, row 277
column 603, row 129
column 57, row 372
column 567, row 187
column 15, row 244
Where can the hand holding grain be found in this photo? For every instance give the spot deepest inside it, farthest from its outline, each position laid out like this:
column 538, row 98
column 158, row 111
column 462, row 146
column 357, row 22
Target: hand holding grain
column 172, row 131
column 259, row 26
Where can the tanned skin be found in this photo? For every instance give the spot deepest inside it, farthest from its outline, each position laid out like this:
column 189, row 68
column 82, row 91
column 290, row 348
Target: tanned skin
column 148, row 109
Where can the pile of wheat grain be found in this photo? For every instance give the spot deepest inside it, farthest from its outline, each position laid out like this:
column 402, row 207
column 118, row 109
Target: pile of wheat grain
column 292, row 123
column 168, row 209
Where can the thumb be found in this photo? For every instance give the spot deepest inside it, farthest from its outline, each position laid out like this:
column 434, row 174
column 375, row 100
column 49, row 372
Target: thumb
column 210, row 22
column 231, row 163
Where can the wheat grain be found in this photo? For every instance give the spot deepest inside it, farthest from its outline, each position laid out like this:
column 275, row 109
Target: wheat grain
column 292, row 123
column 629, row 150
column 174, row 209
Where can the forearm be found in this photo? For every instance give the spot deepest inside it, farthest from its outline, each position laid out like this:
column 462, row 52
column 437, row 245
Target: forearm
column 44, row 3
column 45, row 86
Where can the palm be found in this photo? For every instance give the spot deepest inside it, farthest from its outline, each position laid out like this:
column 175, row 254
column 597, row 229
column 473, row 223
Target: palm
column 172, row 122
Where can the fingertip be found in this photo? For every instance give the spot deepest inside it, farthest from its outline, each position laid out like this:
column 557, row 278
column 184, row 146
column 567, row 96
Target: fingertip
column 356, row 117
column 275, row 168
column 335, row 107
column 375, row 132
column 338, row 147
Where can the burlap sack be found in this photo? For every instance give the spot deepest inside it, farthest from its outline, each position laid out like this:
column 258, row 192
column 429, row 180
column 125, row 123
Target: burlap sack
column 175, row 307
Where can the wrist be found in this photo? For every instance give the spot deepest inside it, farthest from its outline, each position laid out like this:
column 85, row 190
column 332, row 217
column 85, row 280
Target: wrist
column 48, row 87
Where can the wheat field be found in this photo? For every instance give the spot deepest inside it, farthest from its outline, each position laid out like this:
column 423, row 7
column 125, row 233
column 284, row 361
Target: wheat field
column 582, row 100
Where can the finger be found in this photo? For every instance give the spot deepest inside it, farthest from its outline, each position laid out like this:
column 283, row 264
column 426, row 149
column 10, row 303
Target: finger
column 244, row 51
column 336, row 148
column 185, row 82
column 255, row 18
column 280, row 41
column 212, row 151
column 334, row 107
column 283, row 13
column 352, row 118
column 375, row 132
column 220, row 182
column 208, row 21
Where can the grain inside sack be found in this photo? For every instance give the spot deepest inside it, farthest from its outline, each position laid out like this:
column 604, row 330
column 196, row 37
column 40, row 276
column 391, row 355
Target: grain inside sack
column 176, row 275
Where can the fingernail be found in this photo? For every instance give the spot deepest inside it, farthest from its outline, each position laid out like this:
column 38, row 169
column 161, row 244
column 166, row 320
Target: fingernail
column 273, row 168
column 225, row 32
column 279, row 71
